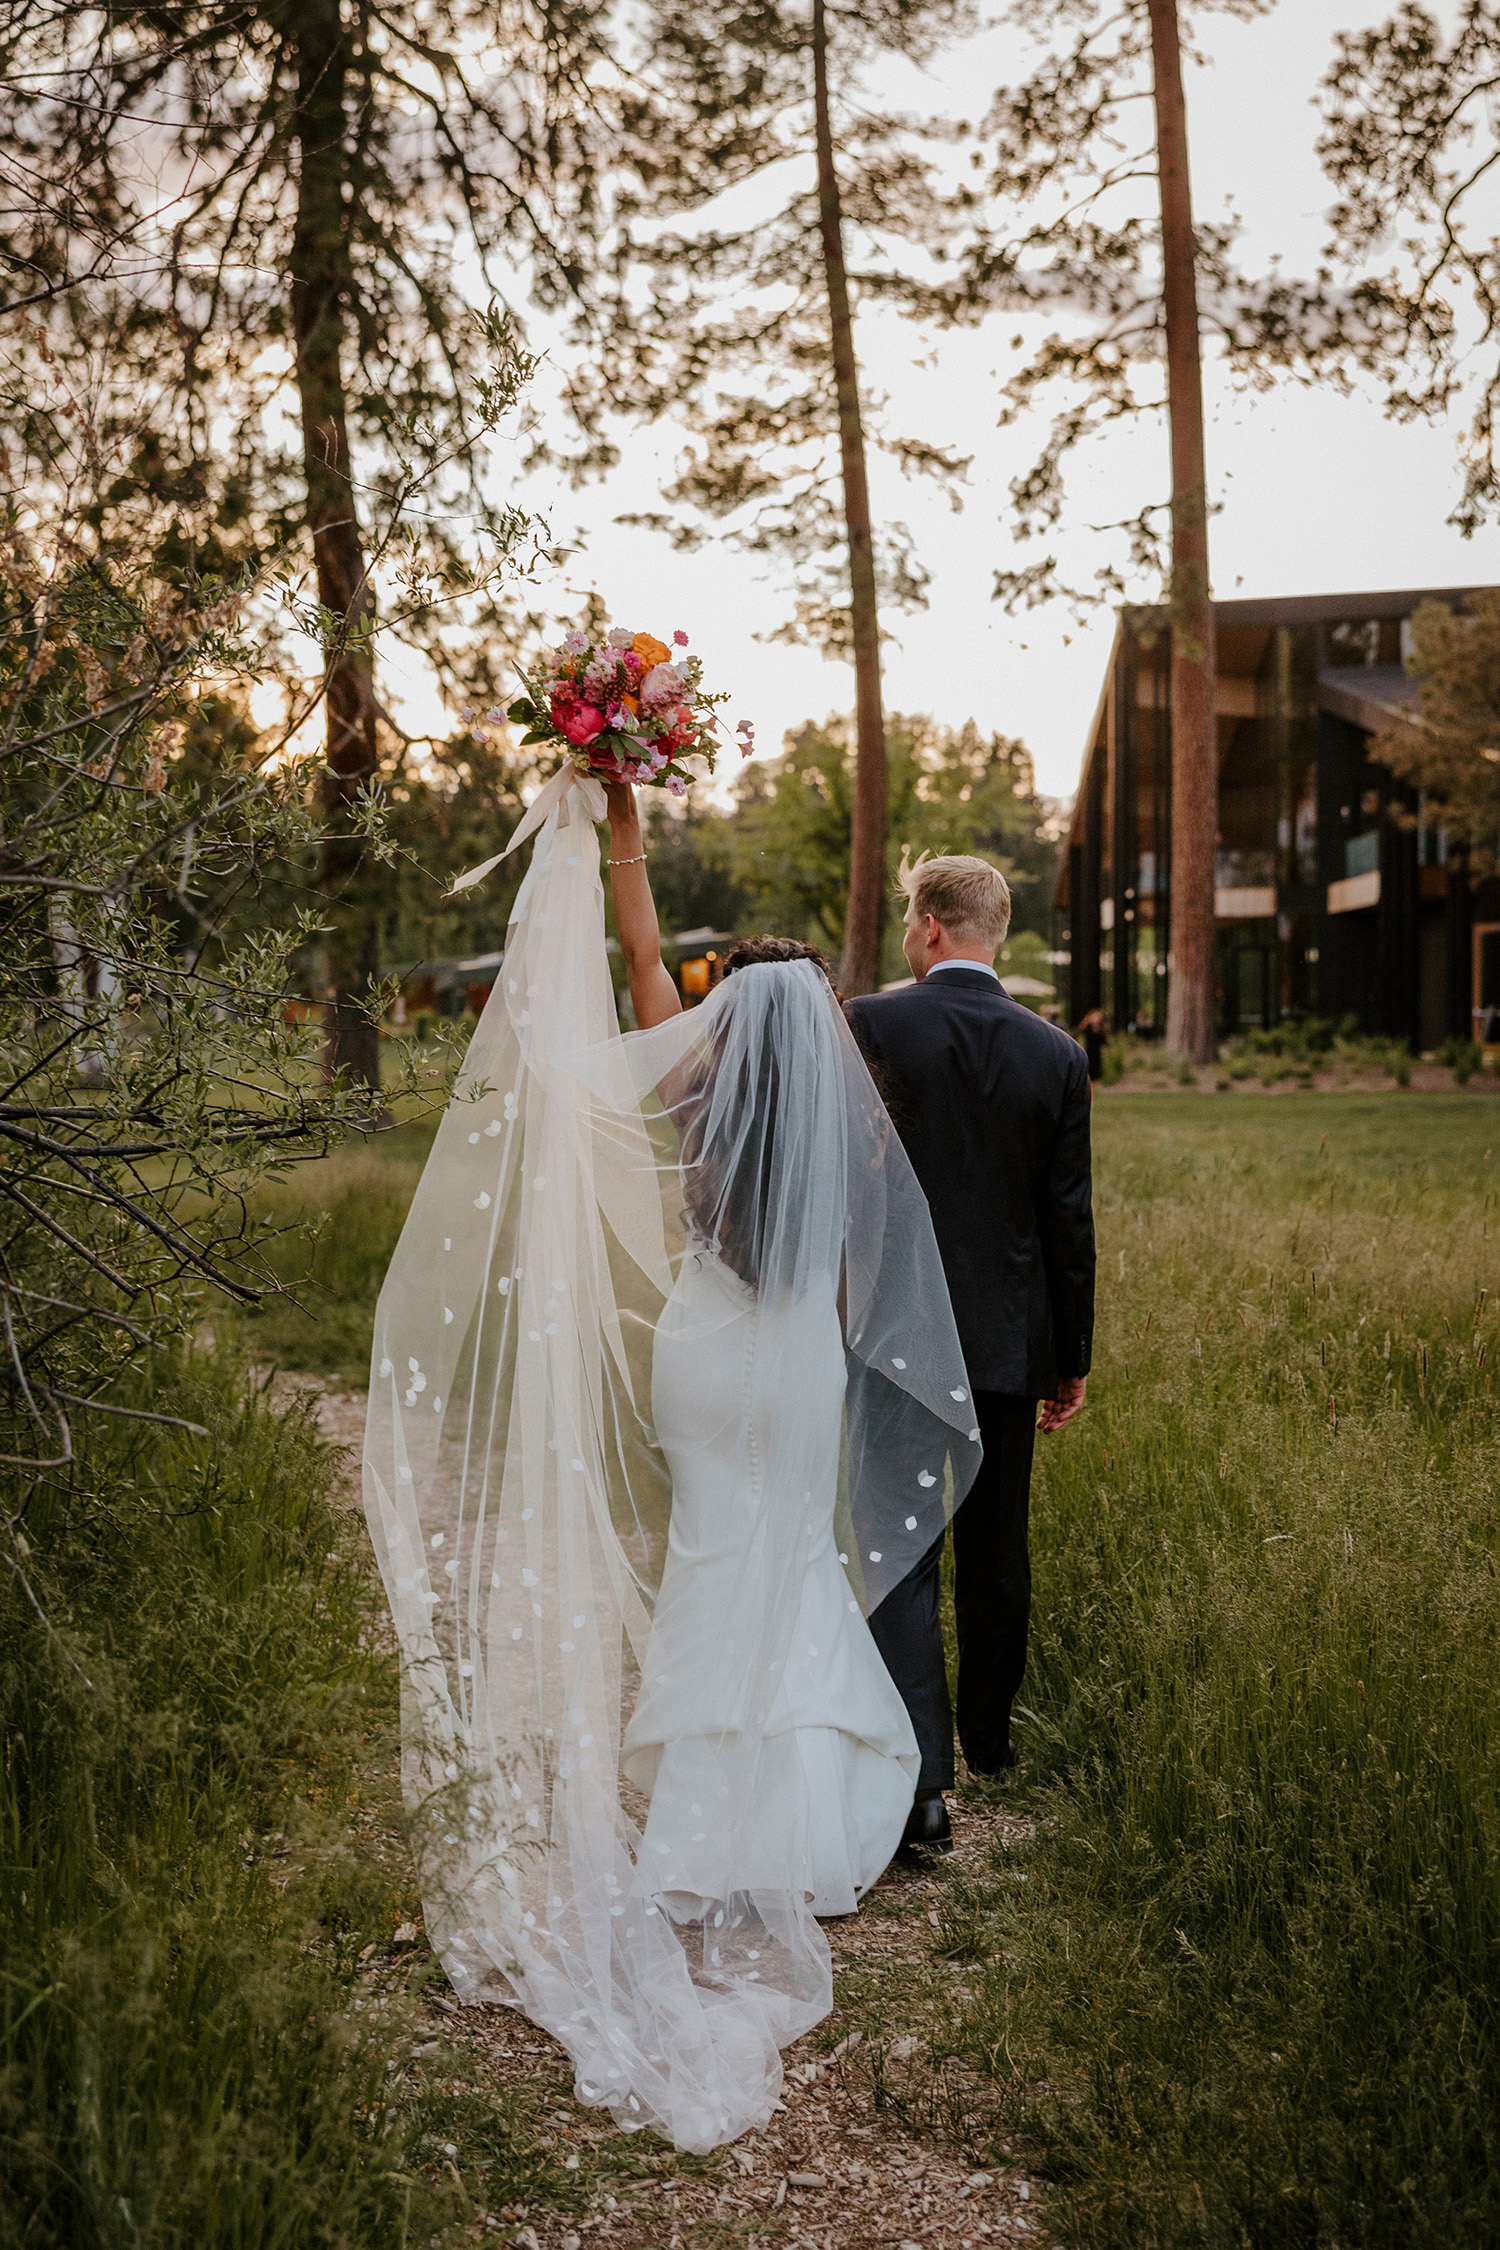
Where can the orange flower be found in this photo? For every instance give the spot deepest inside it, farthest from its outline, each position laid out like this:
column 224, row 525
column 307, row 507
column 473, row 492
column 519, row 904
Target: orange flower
column 649, row 650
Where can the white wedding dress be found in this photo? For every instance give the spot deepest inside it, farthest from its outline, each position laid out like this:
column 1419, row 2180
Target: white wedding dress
column 665, row 1394
column 828, row 1762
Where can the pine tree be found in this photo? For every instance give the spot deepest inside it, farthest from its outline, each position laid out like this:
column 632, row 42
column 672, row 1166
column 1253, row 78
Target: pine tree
column 1148, row 283
column 1410, row 142
column 226, row 207
column 1452, row 751
column 1195, row 726
column 747, row 332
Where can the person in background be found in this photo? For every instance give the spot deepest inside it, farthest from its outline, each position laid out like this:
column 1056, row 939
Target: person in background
column 1092, row 1028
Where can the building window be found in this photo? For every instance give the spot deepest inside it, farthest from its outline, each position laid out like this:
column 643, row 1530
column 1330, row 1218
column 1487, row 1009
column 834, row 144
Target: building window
column 1356, row 641
column 1362, row 853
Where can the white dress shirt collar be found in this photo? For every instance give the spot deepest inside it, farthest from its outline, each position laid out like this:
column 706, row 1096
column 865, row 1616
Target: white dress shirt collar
column 984, row 968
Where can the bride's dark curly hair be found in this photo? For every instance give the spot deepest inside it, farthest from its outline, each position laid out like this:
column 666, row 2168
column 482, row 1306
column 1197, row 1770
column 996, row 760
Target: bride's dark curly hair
column 751, row 951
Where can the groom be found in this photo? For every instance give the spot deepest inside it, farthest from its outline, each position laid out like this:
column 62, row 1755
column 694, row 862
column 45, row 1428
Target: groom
column 992, row 1106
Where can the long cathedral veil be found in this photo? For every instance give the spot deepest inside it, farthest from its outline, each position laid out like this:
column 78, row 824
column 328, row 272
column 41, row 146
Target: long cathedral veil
column 519, row 1498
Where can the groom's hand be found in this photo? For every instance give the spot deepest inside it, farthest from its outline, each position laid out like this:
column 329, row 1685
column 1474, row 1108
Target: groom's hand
column 1067, row 1401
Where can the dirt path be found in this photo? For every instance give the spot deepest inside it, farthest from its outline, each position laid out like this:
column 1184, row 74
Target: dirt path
column 873, row 2145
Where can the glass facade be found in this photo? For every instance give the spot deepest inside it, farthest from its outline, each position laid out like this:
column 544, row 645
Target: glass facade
column 1302, row 810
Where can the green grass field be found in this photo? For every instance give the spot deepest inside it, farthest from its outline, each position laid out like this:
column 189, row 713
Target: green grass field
column 341, row 1218
column 1244, row 1989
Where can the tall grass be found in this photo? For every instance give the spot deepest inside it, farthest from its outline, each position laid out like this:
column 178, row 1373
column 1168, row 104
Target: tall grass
column 340, row 1220
column 1246, row 1987
column 182, row 2061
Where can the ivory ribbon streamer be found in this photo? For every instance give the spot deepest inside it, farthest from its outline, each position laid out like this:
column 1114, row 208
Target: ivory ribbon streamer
column 547, row 800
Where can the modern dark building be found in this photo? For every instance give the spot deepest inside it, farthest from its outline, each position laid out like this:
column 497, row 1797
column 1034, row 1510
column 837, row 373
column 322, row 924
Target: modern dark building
column 1334, row 896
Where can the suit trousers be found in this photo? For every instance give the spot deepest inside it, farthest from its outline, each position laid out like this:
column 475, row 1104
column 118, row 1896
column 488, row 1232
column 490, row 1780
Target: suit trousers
column 992, row 1603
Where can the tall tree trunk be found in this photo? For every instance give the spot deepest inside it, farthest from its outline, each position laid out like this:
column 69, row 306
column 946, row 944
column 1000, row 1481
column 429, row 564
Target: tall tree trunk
column 862, row 929
column 320, row 294
column 1195, row 739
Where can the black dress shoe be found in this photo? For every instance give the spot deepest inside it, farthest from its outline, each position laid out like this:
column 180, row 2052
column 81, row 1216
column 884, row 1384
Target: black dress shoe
column 927, row 1828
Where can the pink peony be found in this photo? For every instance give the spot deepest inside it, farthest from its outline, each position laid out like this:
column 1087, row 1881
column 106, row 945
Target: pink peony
column 579, row 721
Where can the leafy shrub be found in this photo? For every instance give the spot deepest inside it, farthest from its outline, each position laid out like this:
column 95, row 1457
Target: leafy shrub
column 1302, row 1037
column 1462, row 1056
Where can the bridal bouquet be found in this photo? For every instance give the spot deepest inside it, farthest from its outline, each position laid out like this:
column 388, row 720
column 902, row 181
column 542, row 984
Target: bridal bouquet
column 625, row 708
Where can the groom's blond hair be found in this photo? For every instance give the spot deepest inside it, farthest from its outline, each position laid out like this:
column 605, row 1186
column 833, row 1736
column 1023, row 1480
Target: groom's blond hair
column 969, row 897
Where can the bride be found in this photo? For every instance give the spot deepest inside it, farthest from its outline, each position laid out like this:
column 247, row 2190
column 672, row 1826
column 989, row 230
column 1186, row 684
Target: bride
column 665, row 1394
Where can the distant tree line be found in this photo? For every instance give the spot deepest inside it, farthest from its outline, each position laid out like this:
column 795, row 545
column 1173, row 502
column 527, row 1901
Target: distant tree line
column 774, row 857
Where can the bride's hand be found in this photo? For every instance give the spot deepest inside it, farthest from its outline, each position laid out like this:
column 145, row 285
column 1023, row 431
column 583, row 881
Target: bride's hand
column 619, row 798
column 653, row 993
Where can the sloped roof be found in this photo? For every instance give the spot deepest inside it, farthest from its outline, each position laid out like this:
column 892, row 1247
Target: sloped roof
column 1372, row 696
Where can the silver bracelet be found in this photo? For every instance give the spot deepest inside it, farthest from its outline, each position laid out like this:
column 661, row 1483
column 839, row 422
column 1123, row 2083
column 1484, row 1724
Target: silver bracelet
column 638, row 861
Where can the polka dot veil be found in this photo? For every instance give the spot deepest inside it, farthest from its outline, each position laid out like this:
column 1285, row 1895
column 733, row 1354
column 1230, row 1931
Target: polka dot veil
column 667, row 1292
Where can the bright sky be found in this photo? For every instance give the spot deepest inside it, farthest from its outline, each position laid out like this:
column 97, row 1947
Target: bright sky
column 1318, row 493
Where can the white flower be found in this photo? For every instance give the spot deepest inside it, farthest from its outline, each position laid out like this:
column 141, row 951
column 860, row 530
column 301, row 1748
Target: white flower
column 618, row 636
column 663, row 684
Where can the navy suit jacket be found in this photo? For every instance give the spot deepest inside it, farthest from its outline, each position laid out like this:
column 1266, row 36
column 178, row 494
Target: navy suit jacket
column 992, row 1106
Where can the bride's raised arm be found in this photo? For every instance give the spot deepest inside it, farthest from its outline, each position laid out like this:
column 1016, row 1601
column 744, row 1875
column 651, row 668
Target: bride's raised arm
column 654, row 996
